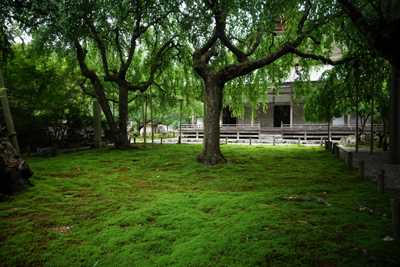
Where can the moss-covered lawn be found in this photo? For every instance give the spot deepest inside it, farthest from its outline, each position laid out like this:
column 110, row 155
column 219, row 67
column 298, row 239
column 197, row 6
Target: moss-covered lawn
column 157, row 207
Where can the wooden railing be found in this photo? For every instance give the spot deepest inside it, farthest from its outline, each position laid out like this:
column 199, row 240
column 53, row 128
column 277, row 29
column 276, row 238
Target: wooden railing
column 223, row 126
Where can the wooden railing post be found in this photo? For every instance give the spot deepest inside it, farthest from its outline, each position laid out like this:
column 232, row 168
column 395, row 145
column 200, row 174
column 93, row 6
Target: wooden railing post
column 349, row 160
column 337, row 151
column 396, row 218
column 381, row 181
column 361, row 169
column 274, row 141
column 334, row 148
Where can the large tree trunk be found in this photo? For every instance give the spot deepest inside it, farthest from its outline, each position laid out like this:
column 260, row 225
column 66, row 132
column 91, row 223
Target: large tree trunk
column 211, row 153
column 122, row 141
column 394, row 117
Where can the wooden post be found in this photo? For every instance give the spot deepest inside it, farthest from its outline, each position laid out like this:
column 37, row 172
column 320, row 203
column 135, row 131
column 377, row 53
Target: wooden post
column 274, row 141
column 394, row 116
column 349, row 160
column 329, row 130
column 305, row 135
column 250, row 141
column 144, row 121
column 371, row 148
column 334, row 148
column 381, row 181
column 97, row 123
column 361, row 169
column 7, row 115
column 151, row 114
column 180, row 126
column 337, row 151
column 396, row 218
column 322, row 141
column 204, row 113
column 226, row 140
column 291, row 110
column 299, row 140
column 357, row 144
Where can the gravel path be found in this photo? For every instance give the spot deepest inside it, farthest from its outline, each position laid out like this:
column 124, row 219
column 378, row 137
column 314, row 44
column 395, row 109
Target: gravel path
column 373, row 162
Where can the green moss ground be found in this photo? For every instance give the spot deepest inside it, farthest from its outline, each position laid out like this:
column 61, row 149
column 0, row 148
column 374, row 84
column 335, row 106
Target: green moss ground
column 158, row 207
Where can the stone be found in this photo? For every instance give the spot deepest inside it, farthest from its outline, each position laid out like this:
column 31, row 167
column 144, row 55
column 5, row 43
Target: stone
column 14, row 171
column 350, row 140
column 343, row 141
column 161, row 129
column 47, row 152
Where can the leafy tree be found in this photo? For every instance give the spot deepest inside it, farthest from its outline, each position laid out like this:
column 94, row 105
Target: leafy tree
column 131, row 39
column 379, row 23
column 235, row 38
column 335, row 93
column 373, row 27
column 42, row 93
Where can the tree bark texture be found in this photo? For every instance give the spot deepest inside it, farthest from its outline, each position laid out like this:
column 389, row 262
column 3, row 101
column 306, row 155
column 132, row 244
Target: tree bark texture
column 211, row 153
column 14, row 171
column 394, row 117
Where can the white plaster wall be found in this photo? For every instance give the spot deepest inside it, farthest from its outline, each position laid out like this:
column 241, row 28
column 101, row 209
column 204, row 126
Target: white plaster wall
column 338, row 121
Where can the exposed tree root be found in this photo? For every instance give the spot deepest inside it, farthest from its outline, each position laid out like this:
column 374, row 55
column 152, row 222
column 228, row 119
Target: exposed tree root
column 210, row 159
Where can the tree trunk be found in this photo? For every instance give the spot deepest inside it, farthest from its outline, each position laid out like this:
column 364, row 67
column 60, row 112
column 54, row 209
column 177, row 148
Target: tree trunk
column 394, row 117
column 122, row 141
column 211, row 153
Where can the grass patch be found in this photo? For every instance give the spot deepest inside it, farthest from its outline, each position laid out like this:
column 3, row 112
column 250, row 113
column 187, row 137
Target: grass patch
column 365, row 145
column 158, row 207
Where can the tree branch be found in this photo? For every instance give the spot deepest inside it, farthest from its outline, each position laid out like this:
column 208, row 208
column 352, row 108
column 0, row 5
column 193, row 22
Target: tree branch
column 256, row 44
column 83, row 87
column 100, row 45
column 324, row 59
column 121, row 59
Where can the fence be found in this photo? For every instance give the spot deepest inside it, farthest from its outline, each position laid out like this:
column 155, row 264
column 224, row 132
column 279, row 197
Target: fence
column 395, row 203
